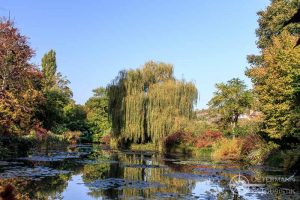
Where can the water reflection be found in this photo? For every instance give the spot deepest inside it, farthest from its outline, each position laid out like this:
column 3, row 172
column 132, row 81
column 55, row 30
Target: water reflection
column 88, row 172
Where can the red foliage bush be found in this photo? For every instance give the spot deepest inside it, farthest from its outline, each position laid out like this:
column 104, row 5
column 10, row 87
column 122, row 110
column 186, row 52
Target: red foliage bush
column 41, row 133
column 105, row 139
column 177, row 138
column 250, row 143
column 207, row 138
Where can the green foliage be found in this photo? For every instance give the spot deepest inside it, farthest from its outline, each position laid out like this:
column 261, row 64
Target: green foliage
column 275, row 73
column 97, row 114
column 96, row 137
column 49, row 68
column 276, row 83
column 72, row 136
column 57, row 96
column 13, row 146
column 287, row 159
column 272, row 20
column 145, row 103
column 260, row 154
column 75, row 117
column 230, row 101
column 51, row 112
column 248, row 126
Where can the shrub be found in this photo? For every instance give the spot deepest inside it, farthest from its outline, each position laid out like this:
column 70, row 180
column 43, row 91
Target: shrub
column 248, row 126
column 13, row 146
column 3, row 150
column 261, row 153
column 251, row 142
column 177, row 138
column 105, row 139
column 40, row 133
column 227, row 149
column 72, row 136
column 207, row 138
column 96, row 137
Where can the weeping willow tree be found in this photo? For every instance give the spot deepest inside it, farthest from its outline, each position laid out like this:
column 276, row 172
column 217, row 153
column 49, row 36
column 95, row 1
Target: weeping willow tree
column 145, row 104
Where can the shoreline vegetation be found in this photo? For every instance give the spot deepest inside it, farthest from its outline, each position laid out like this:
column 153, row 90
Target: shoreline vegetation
column 149, row 109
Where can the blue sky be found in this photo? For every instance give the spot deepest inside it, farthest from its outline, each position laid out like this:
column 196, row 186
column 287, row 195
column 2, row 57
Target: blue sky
column 206, row 41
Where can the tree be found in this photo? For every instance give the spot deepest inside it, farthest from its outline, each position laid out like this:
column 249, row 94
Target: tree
column 145, row 103
column 97, row 112
column 230, row 101
column 19, row 82
column 272, row 21
column 275, row 72
column 49, row 68
column 56, row 92
column 51, row 111
column 277, row 85
column 75, row 117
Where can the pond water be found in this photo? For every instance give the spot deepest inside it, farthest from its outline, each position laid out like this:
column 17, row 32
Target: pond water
column 95, row 172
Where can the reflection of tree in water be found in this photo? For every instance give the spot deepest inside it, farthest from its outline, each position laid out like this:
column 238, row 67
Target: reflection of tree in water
column 50, row 187
column 136, row 167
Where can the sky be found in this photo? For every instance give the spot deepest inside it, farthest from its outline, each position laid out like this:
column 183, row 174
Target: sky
column 206, row 41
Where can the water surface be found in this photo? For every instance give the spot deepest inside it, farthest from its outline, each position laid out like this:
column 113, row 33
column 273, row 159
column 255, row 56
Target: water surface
column 95, row 172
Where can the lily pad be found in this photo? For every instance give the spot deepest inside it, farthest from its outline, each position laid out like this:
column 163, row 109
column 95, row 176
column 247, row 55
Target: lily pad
column 225, row 170
column 6, row 163
column 143, row 166
column 160, row 195
column 190, row 176
column 55, row 157
column 96, row 162
column 119, row 184
column 31, row 173
column 193, row 162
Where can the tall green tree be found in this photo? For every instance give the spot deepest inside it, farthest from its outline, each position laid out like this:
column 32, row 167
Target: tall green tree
column 49, row 68
column 145, row 103
column 56, row 92
column 272, row 21
column 275, row 72
column 230, row 101
column 276, row 83
column 97, row 112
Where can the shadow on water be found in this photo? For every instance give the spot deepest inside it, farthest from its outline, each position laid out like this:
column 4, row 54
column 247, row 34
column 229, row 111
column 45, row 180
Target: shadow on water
column 94, row 172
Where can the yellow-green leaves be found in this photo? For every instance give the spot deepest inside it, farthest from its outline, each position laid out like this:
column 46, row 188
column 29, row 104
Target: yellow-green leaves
column 276, row 82
column 144, row 103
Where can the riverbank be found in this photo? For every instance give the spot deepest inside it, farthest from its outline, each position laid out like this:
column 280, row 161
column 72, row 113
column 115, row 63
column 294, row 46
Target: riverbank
column 16, row 146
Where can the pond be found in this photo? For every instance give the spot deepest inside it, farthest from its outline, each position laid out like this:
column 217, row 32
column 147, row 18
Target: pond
column 97, row 172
